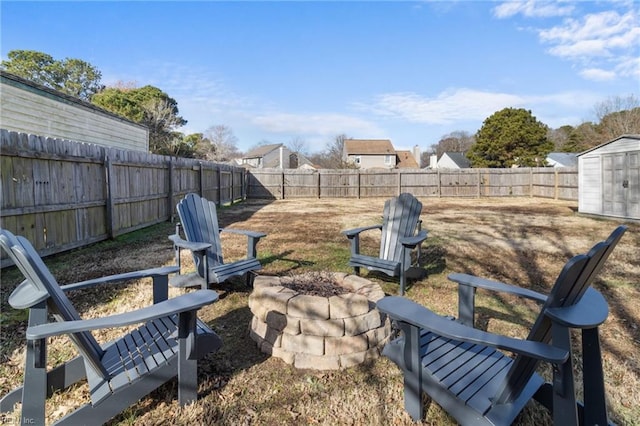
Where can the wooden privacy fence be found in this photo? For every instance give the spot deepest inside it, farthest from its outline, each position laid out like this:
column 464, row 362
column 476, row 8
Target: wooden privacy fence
column 556, row 183
column 62, row 194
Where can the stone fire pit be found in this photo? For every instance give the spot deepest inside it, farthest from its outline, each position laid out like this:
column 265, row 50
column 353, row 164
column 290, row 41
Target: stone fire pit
column 317, row 332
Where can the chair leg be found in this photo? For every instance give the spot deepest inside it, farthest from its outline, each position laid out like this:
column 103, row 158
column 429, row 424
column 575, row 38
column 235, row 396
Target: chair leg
column 187, row 360
column 249, row 279
column 565, row 411
column 595, row 407
column 413, row 374
column 34, row 393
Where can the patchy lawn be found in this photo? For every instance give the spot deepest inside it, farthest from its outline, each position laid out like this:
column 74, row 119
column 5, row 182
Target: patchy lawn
column 519, row 240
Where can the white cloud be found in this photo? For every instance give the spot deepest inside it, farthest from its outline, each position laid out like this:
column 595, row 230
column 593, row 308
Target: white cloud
column 594, row 35
column 451, row 108
column 448, row 107
column 532, row 9
column 315, row 124
column 599, row 43
column 597, row 74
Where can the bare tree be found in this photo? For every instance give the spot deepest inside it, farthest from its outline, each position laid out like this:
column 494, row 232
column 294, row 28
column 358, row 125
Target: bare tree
column 618, row 116
column 223, row 143
column 297, row 144
column 458, row 141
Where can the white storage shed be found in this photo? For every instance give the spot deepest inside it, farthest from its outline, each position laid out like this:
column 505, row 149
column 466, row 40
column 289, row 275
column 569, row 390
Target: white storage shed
column 609, row 178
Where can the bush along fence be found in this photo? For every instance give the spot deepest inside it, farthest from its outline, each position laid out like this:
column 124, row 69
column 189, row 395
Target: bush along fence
column 62, row 194
column 554, row 183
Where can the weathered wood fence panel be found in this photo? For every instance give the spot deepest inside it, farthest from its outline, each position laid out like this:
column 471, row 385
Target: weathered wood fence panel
column 62, row 194
column 518, row 182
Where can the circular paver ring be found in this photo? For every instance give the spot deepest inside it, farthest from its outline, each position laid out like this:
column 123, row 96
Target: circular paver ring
column 317, row 332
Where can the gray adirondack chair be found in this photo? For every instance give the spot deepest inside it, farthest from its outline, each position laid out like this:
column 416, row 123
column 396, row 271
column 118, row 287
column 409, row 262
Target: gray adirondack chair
column 167, row 344
column 401, row 233
column 461, row 368
column 199, row 221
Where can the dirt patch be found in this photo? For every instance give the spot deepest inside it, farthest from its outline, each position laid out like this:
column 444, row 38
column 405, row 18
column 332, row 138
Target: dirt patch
column 523, row 241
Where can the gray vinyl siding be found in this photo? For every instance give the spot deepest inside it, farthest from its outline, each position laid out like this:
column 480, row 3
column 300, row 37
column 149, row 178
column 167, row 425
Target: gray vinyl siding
column 30, row 109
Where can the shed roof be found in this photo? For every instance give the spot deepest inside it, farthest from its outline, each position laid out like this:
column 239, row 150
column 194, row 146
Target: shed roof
column 368, row 147
column 261, row 151
column 611, row 141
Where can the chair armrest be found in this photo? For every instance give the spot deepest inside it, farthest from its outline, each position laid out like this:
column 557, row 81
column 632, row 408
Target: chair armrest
column 405, row 310
column 411, row 242
column 472, row 281
column 250, row 234
column 350, row 233
column 179, row 242
column 591, row 311
column 186, row 302
column 135, row 275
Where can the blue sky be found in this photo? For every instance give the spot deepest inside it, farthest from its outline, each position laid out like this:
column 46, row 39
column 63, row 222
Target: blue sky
column 410, row 72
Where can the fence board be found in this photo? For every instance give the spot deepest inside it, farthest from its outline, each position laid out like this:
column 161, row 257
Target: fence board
column 62, row 194
column 518, row 182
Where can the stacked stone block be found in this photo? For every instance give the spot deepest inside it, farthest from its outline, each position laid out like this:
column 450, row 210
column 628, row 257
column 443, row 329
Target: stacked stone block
column 322, row 333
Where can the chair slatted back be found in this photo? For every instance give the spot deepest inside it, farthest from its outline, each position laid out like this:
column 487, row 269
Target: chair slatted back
column 400, row 219
column 571, row 284
column 200, row 223
column 40, row 278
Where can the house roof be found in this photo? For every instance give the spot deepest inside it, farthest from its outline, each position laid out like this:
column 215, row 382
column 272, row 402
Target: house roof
column 261, row 151
column 459, row 159
column 368, row 147
column 406, row 160
column 562, row 159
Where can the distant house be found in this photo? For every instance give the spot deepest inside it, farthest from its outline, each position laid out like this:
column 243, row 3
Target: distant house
column 274, row 156
column 31, row 108
column 450, row 160
column 562, row 159
column 378, row 153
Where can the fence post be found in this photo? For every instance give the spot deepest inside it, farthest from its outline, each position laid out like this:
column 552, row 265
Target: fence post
column 439, row 184
column 399, row 182
column 556, row 189
column 201, row 178
column 170, row 190
column 319, row 187
column 530, row 182
column 479, row 188
column 359, row 184
column 108, row 176
column 283, row 184
column 219, row 173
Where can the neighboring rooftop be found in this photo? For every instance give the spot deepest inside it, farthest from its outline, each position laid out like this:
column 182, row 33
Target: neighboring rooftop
column 406, row 160
column 368, row 147
column 262, row 150
column 562, row 159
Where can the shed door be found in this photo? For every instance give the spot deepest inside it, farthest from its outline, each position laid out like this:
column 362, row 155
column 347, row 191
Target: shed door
column 633, row 191
column 621, row 184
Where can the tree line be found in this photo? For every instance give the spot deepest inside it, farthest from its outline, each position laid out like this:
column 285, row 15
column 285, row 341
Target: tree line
column 509, row 137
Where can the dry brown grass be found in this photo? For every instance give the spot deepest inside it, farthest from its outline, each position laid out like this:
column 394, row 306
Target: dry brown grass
column 518, row 240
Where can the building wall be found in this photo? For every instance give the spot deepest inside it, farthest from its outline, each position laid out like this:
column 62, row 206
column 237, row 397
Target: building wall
column 446, row 162
column 39, row 111
column 373, row 161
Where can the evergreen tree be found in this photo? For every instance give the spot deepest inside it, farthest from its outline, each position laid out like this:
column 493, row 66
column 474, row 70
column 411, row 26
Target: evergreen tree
column 510, row 137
